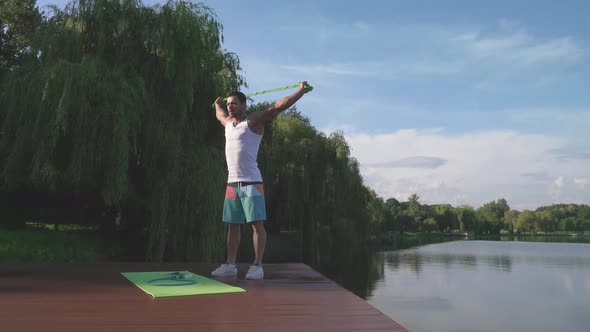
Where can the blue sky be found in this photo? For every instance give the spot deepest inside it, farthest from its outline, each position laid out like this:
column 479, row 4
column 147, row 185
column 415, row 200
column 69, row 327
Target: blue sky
column 461, row 102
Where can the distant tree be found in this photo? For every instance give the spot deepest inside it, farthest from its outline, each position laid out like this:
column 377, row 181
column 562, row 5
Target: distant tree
column 414, row 200
column 446, row 217
column 466, row 218
column 563, row 217
column 546, row 221
column 491, row 216
column 415, row 212
column 392, row 215
column 429, row 225
column 526, row 221
column 510, row 220
column 567, row 224
column 405, row 218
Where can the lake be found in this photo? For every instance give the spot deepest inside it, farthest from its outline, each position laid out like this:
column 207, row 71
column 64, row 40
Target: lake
column 484, row 286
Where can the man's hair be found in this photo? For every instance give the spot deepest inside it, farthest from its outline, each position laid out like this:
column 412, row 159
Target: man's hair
column 240, row 95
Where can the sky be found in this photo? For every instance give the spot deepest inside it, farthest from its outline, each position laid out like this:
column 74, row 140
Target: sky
column 460, row 102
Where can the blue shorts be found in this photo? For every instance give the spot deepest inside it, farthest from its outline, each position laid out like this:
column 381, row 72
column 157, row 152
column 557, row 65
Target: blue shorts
column 244, row 202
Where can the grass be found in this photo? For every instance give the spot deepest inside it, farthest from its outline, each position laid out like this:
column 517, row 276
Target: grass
column 51, row 227
column 46, row 245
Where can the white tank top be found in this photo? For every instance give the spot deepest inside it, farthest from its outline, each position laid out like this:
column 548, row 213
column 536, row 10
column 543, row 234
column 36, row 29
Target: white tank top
column 241, row 152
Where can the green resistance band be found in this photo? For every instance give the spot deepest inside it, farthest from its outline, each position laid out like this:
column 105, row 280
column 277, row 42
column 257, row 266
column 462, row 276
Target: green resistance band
column 308, row 88
column 179, row 278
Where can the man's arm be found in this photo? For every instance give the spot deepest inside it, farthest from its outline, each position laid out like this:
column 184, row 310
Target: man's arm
column 282, row 104
column 220, row 111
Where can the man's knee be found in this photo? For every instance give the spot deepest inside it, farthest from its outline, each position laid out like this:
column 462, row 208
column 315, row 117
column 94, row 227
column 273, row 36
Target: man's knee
column 233, row 228
column 258, row 226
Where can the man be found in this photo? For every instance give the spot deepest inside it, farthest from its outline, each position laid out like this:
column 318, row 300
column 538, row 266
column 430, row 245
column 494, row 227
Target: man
column 244, row 194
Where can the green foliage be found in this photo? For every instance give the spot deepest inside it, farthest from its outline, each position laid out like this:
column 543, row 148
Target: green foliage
column 510, row 220
column 429, row 225
column 45, row 246
column 564, row 217
column 391, row 215
column 445, row 218
column 526, row 221
column 413, row 214
column 19, row 19
column 116, row 110
column 491, row 216
column 312, row 185
column 545, row 220
column 377, row 211
column 466, row 218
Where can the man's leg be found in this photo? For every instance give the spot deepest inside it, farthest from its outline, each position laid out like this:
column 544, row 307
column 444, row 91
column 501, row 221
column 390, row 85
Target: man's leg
column 255, row 212
column 259, row 239
column 233, row 215
column 233, row 241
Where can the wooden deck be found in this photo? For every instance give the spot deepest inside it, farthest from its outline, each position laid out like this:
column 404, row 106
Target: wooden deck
column 41, row 297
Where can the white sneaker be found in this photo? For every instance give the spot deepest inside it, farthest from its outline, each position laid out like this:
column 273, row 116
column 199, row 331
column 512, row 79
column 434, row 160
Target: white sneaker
column 225, row 270
column 255, row 272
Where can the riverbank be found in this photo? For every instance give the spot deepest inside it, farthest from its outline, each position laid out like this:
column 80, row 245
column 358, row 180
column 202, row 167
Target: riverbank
column 72, row 243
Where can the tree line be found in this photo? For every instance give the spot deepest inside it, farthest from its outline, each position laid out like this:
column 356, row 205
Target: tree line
column 492, row 218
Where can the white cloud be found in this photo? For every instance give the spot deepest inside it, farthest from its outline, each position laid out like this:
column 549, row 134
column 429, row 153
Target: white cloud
column 364, row 28
column 556, row 187
column 581, row 182
column 341, row 69
column 411, row 162
column 479, row 167
column 561, row 116
column 494, row 52
column 517, row 47
column 559, row 182
column 324, row 30
column 392, row 68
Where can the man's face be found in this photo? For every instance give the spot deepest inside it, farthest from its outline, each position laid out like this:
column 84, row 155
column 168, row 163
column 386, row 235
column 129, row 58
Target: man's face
column 235, row 107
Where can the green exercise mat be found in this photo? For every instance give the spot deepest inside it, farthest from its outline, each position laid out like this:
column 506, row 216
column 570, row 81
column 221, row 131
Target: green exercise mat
column 177, row 283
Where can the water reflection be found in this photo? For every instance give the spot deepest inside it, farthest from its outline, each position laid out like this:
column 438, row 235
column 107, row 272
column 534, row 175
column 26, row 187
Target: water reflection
column 352, row 265
column 430, row 303
column 415, row 260
column 360, row 268
column 486, row 286
column 552, row 256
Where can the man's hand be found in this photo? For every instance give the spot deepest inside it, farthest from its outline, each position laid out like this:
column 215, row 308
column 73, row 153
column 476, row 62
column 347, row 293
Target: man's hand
column 219, row 101
column 304, row 86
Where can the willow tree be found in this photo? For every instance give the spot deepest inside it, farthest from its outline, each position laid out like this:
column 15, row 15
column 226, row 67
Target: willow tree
column 116, row 111
column 313, row 187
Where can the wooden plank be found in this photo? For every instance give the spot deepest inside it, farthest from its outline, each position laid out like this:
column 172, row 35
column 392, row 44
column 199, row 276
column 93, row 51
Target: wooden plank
column 95, row 297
